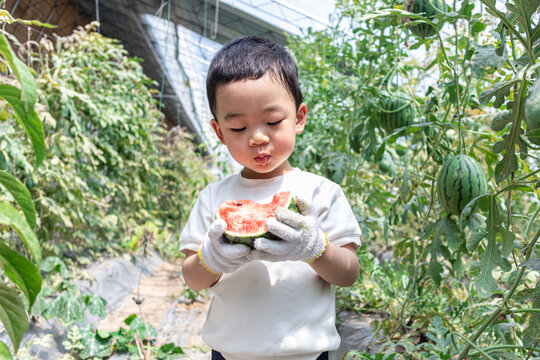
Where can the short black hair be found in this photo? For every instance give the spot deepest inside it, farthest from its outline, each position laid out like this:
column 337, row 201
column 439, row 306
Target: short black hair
column 250, row 58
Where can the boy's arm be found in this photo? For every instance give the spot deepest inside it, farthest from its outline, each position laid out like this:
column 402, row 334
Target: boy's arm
column 338, row 265
column 197, row 277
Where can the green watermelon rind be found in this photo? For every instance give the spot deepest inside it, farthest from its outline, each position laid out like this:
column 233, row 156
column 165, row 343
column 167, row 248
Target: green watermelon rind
column 396, row 111
column 428, row 9
column 233, row 238
column 460, row 180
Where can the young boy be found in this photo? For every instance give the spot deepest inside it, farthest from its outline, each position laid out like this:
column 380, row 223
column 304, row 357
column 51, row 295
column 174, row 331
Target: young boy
column 274, row 301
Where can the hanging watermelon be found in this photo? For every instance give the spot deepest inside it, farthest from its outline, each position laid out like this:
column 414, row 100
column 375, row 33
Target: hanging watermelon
column 396, row 111
column 428, row 9
column 460, row 180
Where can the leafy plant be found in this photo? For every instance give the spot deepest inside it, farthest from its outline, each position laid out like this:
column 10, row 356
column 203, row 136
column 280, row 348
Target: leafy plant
column 61, row 298
column 88, row 343
column 93, row 185
column 107, row 158
column 460, row 273
column 18, row 104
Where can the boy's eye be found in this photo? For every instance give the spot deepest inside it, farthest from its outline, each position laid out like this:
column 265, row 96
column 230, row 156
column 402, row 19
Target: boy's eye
column 237, row 129
column 274, row 123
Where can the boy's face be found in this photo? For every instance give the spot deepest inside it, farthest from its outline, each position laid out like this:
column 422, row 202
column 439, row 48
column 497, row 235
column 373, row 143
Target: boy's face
column 258, row 121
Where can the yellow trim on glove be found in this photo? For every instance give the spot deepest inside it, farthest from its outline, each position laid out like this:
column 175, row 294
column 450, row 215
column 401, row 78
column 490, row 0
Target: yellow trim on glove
column 322, row 250
column 204, row 265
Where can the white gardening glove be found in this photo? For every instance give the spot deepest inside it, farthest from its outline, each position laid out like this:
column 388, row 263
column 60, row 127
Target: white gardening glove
column 302, row 240
column 218, row 256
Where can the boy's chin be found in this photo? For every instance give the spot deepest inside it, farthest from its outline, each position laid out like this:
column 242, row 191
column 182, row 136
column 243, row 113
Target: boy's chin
column 265, row 172
column 257, row 174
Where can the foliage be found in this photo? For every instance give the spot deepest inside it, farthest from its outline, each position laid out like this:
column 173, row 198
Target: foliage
column 61, row 298
column 107, row 159
column 457, row 279
column 99, row 156
column 89, row 343
column 18, row 106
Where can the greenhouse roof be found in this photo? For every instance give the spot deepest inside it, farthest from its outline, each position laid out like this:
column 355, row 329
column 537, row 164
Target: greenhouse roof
column 185, row 57
column 181, row 50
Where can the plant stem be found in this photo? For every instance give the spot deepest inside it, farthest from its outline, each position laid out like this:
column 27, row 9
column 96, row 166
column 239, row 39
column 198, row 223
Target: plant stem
column 503, row 347
column 470, row 343
column 497, row 311
column 533, row 310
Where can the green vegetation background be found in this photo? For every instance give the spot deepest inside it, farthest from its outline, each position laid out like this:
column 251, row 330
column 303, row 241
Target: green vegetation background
column 460, row 286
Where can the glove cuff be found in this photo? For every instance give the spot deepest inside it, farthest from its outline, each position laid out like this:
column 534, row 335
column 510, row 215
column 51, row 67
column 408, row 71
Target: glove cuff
column 204, row 263
column 319, row 248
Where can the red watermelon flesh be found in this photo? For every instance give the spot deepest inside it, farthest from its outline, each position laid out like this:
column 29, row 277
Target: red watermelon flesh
column 246, row 219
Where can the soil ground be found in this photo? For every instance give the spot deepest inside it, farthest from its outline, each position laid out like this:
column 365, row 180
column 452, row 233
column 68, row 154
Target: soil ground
column 166, row 309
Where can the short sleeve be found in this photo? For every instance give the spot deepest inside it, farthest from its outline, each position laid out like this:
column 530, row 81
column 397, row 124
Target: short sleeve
column 198, row 222
column 336, row 217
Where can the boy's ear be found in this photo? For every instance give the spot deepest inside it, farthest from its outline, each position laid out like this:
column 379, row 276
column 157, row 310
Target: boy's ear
column 217, row 130
column 301, row 116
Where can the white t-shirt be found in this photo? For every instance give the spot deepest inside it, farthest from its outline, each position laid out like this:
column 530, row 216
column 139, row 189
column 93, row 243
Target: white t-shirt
column 268, row 310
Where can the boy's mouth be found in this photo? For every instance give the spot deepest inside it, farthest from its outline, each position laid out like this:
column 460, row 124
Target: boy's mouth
column 262, row 160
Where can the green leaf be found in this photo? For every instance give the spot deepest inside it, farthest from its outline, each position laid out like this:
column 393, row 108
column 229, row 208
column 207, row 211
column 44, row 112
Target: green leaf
column 501, row 90
column 9, row 19
column 21, row 271
column 166, row 351
column 535, row 36
column 534, row 264
column 12, row 315
column 94, row 345
column 501, row 120
column 104, row 334
column 506, row 166
column 386, row 13
column 95, row 304
column 524, row 9
column 491, row 256
column 508, row 240
column 28, row 95
column 138, row 325
column 4, row 352
column 516, row 186
column 471, row 205
column 66, row 307
column 438, row 333
column 129, row 319
column 485, row 56
column 532, row 333
column 435, row 269
column 29, row 120
column 21, row 194
column 51, row 263
column 474, row 239
column 11, row 217
column 405, row 186
column 454, row 235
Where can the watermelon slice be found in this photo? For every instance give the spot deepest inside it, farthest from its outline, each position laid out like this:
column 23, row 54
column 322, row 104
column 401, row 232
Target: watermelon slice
column 246, row 219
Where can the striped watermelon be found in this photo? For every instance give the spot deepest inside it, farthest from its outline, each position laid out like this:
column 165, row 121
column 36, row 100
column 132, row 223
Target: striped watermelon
column 532, row 111
column 460, row 180
column 428, row 9
column 396, row 111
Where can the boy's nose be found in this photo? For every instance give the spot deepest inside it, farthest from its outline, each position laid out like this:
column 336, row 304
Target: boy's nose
column 258, row 138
